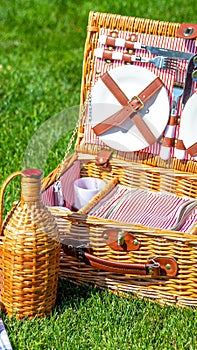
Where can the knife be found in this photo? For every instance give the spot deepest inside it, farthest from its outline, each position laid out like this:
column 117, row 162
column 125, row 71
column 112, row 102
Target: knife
column 194, row 73
column 133, row 45
column 188, row 80
column 180, row 151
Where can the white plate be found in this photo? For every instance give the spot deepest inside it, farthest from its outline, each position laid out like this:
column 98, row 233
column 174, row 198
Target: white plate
column 131, row 80
column 188, row 125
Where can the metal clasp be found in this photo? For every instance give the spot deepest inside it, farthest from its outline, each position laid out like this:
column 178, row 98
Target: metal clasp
column 154, row 263
column 120, row 238
column 139, row 100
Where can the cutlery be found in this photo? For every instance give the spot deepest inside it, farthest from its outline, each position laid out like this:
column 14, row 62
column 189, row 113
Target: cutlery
column 180, row 148
column 194, row 73
column 133, row 45
column 188, row 80
column 169, row 133
column 159, row 61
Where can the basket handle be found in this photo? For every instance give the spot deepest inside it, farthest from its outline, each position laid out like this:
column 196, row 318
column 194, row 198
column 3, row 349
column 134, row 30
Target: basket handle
column 158, row 266
column 2, row 191
column 154, row 267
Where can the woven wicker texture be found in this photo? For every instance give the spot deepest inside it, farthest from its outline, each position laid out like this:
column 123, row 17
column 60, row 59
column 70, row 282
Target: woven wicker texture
column 139, row 170
column 30, row 253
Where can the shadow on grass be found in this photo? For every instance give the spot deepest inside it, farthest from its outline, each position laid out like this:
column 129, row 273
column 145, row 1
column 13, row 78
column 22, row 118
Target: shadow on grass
column 72, row 295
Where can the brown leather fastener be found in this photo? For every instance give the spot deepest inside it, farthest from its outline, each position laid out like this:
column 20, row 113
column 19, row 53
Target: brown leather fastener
column 168, row 142
column 187, row 31
column 180, row 145
column 103, row 158
column 160, row 266
column 129, row 109
column 174, row 120
column 120, row 241
column 128, row 44
column 192, row 150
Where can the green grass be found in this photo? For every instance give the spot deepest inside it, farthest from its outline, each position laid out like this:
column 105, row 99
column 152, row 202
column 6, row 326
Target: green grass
column 87, row 318
column 41, row 53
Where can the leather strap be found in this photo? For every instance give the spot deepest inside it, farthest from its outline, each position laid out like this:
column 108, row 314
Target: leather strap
column 103, row 158
column 168, row 142
column 128, row 44
column 188, row 81
column 180, row 145
column 120, row 241
column 114, row 88
column 159, row 266
column 123, row 268
column 192, row 150
column 129, row 109
column 174, row 120
column 155, row 267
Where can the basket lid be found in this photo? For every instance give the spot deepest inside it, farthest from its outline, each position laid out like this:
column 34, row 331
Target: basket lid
column 149, row 33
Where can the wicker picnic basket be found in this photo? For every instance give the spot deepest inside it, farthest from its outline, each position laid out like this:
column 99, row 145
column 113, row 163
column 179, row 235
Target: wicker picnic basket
column 128, row 256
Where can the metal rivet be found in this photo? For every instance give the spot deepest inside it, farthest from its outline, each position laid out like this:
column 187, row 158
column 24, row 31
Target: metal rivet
column 188, row 31
column 114, row 34
column 133, row 37
column 135, row 242
column 101, row 160
column 168, row 267
column 105, row 236
column 150, row 271
column 130, row 51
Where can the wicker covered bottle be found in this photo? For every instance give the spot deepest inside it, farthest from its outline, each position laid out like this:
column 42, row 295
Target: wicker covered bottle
column 30, row 252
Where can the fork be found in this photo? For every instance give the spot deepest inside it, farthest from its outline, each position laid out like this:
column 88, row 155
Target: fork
column 158, row 61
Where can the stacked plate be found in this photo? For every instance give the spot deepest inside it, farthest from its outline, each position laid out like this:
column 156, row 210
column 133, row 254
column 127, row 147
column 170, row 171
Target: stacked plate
column 131, row 80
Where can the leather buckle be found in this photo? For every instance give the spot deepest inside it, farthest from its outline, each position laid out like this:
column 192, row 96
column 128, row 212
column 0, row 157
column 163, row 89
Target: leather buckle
column 138, row 100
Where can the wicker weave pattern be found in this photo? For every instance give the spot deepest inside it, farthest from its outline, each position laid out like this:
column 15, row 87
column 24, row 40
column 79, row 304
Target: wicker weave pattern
column 30, row 255
column 140, row 170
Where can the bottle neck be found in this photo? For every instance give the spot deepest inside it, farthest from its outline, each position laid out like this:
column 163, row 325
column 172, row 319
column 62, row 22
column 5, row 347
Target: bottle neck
column 30, row 188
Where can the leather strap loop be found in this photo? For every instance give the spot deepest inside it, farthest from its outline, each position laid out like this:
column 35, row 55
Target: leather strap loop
column 168, row 142
column 128, row 44
column 174, row 120
column 180, row 145
column 192, row 150
column 102, row 160
column 129, row 109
